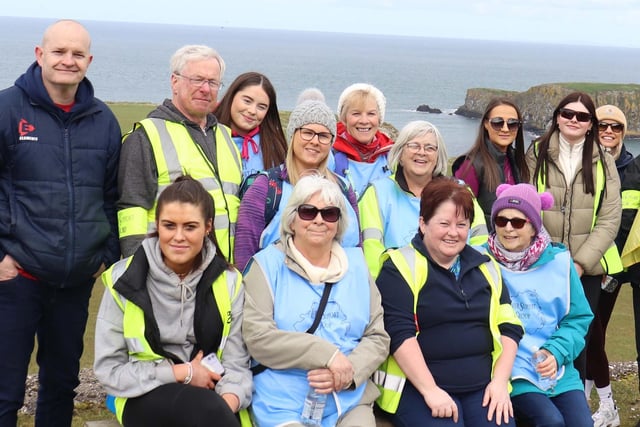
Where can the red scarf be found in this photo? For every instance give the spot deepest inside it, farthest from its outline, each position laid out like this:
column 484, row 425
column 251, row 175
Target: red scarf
column 246, row 139
column 358, row 151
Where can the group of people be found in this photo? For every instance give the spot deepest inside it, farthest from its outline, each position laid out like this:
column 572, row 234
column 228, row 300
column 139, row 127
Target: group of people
column 257, row 276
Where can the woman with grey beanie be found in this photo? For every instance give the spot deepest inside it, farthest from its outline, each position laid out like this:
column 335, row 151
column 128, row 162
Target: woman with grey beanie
column 311, row 131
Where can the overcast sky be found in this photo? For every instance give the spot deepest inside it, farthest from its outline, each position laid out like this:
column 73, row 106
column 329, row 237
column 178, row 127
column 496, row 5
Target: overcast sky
column 584, row 22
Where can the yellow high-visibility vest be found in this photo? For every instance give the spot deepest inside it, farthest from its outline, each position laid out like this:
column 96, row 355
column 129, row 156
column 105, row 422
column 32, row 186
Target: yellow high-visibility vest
column 414, row 269
column 133, row 323
column 176, row 154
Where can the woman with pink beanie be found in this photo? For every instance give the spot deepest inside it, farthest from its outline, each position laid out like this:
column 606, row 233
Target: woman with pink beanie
column 547, row 296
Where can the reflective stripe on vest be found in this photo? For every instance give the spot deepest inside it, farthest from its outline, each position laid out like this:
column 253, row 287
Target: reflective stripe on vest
column 413, row 267
column 176, row 154
column 479, row 233
column 133, row 323
column 389, row 219
column 610, row 261
column 631, row 199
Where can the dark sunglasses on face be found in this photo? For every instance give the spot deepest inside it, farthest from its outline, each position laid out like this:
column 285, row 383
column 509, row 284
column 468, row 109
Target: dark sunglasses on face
column 517, row 223
column 310, row 212
column 497, row 124
column 570, row 114
column 615, row 127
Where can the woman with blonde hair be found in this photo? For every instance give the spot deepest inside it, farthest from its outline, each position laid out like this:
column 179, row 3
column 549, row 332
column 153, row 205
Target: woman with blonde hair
column 311, row 130
column 361, row 148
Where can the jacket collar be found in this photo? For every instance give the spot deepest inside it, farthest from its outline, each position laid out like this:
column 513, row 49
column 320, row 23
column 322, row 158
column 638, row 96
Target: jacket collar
column 207, row 323
column 554, row 149
column 470, row 258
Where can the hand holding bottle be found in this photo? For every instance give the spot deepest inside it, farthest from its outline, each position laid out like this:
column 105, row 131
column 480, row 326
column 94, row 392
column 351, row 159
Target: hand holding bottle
column 546, row 366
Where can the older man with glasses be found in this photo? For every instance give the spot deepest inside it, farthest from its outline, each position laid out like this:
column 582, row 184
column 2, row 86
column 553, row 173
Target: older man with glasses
column 178, row 137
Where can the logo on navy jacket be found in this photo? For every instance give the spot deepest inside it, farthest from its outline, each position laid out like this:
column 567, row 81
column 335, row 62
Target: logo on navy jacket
column 24, row 129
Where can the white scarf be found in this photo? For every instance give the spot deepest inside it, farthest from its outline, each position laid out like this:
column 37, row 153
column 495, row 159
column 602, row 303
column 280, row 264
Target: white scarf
column 334, row 272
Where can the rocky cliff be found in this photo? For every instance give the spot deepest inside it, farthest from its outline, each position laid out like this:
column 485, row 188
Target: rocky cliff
column 538, row 102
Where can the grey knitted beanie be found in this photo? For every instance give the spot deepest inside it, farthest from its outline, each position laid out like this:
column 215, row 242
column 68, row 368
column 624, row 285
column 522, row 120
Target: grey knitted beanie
column 310, row 111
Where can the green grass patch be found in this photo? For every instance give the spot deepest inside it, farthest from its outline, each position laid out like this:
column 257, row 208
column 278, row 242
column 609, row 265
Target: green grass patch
column 130, row 112
column 600, row 87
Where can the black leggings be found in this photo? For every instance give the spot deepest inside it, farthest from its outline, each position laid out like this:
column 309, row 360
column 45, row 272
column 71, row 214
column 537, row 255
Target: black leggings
column 178, row 405
column 592, row 289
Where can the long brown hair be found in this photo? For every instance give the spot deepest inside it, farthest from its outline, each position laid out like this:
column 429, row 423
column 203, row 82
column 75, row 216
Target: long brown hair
column 272, row 140
column 490, row 178
column 591, row 138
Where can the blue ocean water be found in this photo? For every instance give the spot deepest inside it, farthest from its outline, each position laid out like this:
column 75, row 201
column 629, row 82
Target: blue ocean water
column 131, row 63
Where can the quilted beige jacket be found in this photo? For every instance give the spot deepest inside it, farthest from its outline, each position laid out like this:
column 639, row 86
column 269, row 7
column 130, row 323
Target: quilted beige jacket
column 569, row 220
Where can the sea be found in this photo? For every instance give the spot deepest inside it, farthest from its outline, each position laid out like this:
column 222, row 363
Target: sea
column 131, row 63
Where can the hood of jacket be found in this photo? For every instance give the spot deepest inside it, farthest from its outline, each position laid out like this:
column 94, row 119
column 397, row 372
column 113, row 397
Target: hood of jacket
column 31, row 83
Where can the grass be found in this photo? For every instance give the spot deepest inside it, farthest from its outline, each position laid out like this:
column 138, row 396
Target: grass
column 130, row 112
column 620, row 338
column 599, row 87
column 620, row 348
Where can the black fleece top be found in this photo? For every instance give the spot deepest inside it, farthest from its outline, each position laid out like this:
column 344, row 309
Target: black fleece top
column 453, row 316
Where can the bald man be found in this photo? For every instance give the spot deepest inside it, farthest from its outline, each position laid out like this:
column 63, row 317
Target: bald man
column 59, row 150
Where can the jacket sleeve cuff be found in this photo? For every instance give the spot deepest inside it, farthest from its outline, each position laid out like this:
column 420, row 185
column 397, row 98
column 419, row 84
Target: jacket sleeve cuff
column 164, row 373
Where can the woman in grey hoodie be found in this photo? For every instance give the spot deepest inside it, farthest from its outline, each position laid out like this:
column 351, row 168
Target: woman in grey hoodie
column 173, row 306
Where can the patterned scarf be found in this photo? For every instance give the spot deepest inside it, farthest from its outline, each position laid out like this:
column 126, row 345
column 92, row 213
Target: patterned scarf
column 519, row 261
column 246, row 139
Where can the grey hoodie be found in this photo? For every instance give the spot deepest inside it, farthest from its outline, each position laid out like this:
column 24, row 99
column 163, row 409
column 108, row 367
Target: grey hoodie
column 173, row 307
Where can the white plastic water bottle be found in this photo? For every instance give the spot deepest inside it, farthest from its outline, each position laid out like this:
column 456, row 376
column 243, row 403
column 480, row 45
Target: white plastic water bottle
column 313, row 408
column 545, row 383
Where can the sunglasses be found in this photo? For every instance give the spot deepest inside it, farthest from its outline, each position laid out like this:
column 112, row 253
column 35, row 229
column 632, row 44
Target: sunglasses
column 497, row 124
column 310, row 212
column 580, row 116
column 615, row 127
column 517, row 223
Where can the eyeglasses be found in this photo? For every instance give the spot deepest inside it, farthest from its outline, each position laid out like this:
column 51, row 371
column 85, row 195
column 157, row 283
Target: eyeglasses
column 615, row 127
column 198, row 82
column 570, row 114
column 310, row 212
column 323, row 137
column 517, row 223
column 497, row 124
column 415, row 147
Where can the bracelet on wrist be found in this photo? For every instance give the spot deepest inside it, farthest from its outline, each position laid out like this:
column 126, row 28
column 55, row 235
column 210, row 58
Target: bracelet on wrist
column 189, row 376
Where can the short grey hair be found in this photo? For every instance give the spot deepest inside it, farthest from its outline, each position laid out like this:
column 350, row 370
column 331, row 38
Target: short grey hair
column 306, row 187
column 414, row 130
column 194, row 52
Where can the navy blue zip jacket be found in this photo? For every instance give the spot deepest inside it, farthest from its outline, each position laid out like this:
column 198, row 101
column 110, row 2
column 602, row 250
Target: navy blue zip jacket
column 58, row 182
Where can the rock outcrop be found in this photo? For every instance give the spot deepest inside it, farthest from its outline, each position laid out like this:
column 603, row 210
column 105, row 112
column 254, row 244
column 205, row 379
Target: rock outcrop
column 537, row 103
column 424, row 108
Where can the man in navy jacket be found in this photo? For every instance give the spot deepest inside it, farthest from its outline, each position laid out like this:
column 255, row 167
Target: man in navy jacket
column 59, row 149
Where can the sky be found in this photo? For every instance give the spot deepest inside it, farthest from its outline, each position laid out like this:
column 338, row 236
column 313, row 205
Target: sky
column 583, row 22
